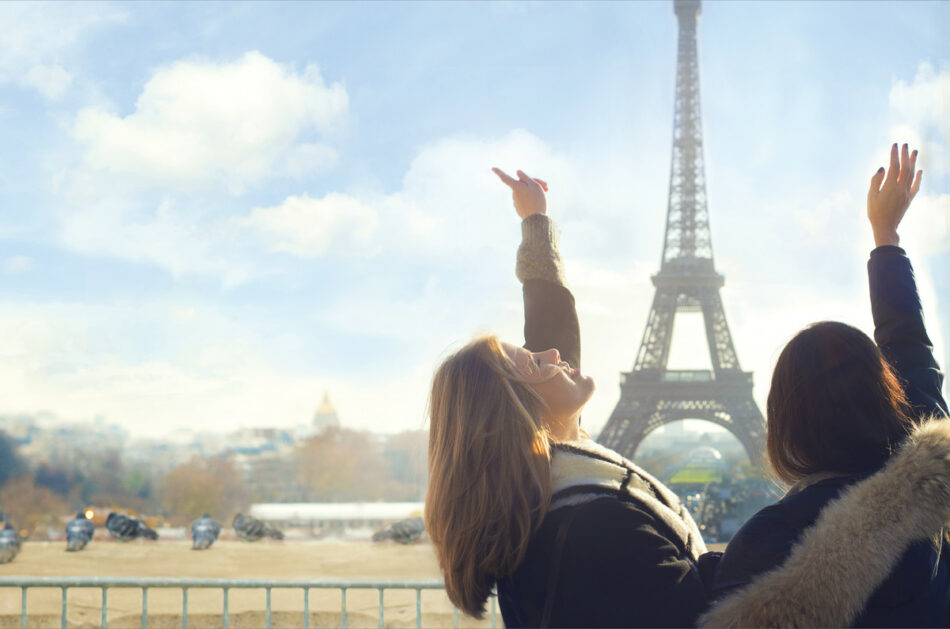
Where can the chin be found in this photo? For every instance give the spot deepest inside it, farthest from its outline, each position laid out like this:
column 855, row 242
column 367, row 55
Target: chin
column 592, row 387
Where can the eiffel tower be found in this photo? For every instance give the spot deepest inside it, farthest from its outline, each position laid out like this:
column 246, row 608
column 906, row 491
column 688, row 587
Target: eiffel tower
column 652, row 395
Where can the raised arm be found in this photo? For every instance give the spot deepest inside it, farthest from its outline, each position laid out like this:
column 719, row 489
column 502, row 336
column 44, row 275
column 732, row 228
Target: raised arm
column 550, row 318
column 895, row 305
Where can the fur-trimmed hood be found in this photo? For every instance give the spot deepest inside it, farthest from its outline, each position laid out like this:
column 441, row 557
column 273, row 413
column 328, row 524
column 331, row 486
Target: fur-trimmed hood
column 824, row 583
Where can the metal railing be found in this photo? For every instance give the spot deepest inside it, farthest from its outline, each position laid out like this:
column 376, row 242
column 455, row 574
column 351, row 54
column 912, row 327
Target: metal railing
column 226, row 585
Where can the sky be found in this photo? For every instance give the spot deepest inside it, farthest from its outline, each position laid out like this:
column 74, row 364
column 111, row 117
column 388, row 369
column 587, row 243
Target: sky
column 213, row 213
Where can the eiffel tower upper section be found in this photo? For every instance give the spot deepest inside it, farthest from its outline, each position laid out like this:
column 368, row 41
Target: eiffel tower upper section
column 687, row 275
column 687, row 249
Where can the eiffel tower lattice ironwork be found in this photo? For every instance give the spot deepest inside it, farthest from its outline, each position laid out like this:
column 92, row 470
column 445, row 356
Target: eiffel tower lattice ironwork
column 652, row 395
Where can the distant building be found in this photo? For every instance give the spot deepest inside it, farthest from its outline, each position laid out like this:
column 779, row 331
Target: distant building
column 335, row 517
column 326, row 416
column 62, row 442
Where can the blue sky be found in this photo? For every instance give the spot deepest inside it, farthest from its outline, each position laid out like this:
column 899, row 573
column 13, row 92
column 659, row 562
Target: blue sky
column 210, row 214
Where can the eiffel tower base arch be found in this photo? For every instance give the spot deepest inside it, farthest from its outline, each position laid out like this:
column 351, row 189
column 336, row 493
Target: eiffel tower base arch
column 643, row 409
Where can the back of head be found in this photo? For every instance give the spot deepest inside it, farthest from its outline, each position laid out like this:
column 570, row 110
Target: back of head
column 835, row 405
column 489, row 470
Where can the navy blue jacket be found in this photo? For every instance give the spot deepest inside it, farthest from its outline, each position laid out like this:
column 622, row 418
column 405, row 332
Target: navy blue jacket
column 917, row 592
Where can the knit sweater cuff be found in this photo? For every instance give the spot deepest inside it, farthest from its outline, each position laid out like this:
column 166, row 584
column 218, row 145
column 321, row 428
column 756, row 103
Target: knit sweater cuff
column 538, row 255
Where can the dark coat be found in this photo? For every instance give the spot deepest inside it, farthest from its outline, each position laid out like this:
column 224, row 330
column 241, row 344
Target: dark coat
column 917, row 591
column 604, row 563
column 837, row 568
column 615, row 568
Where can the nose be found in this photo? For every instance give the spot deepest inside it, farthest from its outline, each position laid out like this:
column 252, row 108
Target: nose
column 554, row 354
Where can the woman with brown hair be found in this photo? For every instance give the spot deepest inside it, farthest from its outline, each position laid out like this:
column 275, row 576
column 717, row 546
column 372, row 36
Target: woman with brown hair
column 571, row 533
column 838, row 407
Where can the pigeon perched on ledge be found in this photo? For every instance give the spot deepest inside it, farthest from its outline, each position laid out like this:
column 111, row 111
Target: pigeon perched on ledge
column 79, row 532
column 204, row 532
column 404, row 531
column 126, row 528
column 9, row 543
column 252, row 529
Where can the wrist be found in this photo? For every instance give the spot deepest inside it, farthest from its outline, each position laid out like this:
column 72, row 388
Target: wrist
column 884, row 237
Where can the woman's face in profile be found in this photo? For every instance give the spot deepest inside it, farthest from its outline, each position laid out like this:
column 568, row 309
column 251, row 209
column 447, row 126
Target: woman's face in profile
column 564, row 389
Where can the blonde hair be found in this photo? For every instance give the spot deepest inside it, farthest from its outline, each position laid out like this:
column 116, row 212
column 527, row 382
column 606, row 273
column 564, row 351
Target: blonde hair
column 489, row 470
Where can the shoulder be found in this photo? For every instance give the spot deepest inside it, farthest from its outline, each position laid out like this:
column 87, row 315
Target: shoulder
column 611, row 542
column 803, row 507
column 617, row 568
column 605, row 519
column 758, row 546
column 606, row 529
column 765, row 541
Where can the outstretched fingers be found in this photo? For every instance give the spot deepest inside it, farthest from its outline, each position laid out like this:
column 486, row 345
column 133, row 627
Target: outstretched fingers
column 895, row 168
column 505, row 177
column 532, row 180
column 914, row 188
column 511, row 182
column 876, row 181
column 906, row 173
column 913, row 175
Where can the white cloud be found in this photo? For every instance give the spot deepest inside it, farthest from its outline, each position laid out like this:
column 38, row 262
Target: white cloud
column 451, row 204
column 39, row 39
column 51, row 81
column 17, row 264
column 201, row 123
column 926, row 228
column 211, row 369
column 182, row 236
column 311, row 228
column 921, row 112
column 153, row 186
column 926, row 100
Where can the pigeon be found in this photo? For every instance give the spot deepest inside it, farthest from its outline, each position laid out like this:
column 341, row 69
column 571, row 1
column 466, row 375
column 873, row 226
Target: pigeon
column 404, row 531
column 126, row 528
column 9, row 543
column 252, row 529
column 204, row 532
column 79, row 532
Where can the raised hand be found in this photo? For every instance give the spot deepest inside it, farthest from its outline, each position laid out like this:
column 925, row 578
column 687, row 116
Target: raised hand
column 527, row 193
column 888, row 203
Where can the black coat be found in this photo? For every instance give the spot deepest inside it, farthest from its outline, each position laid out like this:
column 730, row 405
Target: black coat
column 613, row 568
column 917, row 591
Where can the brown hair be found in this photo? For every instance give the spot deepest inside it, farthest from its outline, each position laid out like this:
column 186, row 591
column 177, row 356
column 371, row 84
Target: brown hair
column 489, row 470
column 835, row 404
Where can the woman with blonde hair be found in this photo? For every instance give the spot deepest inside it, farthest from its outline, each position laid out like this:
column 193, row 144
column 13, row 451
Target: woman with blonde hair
column 568, row 533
